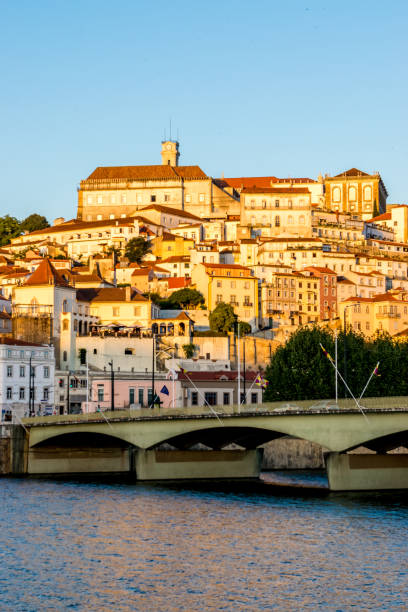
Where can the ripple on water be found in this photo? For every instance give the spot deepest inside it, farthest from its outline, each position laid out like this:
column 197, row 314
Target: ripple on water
column 92, row 546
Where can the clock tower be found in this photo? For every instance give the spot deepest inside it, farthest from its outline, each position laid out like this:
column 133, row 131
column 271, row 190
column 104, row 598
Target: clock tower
column 170, row 152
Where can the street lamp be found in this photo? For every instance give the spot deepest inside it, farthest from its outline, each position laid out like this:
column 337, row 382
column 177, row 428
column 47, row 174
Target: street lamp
column 112, row 386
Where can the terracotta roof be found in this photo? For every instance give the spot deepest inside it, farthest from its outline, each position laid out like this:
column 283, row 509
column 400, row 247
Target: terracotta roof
column 277, row 190
column 14, row 342
column 380, row 297
column 141, row 272
column 46, row 274
column 384, row 217
column 176, row 259
column 323, row 270
column 341, row 280
column 108, row 294
column 230, row 375
column 351, row 172
column 154, row 172
column 171, row 211
column 223, row 266
column 249, row 181
column 178, row 282
column 75, row 224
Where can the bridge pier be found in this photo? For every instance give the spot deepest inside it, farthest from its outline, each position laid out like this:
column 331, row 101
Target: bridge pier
column 366, row 472
column 197, row 464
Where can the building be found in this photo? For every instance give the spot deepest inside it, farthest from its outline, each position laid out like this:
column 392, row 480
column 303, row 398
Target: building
column 115, row 191
column 220, row 388
column 16, row 356
column 327, row 290
column 230, row 283
column 274, row 211
column 395, row 220
column 385, row 313
column 356, row 192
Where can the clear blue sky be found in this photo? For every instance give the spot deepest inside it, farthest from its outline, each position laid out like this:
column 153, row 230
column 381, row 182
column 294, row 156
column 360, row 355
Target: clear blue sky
column 285, row 88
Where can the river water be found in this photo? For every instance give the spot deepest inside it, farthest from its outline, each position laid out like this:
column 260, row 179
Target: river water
column 68, row 545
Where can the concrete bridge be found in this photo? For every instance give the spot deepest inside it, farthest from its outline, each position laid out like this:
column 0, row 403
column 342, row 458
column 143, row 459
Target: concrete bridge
column 196, row 443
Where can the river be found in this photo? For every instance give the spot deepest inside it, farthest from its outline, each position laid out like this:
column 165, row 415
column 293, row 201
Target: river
column 71, row 545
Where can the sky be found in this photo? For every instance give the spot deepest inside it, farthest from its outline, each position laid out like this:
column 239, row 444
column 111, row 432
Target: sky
column 256, row 88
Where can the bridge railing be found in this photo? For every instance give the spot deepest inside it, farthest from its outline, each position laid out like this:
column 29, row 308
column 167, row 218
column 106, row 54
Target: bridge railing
column 295, row 407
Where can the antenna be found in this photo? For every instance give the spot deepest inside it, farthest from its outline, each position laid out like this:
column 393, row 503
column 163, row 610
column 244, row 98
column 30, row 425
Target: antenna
column 177, row 134
column 165, row 135
column 170, row 127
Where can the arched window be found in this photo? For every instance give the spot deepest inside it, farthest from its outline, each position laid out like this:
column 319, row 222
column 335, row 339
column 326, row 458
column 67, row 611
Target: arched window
column 277, row 221
column 75, row 325
column 336, row 194
column 290, row 220
column 65, row 356
column 65, row 325
column 65, row 306
column 352, row 194
column 301, row 220
column 368, row 194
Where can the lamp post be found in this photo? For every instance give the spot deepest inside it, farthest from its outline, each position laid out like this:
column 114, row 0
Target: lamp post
column 112, row 386
column 153, row 366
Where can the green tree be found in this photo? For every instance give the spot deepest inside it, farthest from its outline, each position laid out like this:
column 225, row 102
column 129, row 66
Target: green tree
column 222, row 318
column 137, row 248
column 186, row 298
column 34, row 222
column 244, row 328
column 375, row 209
column 9, row 228
column 189, row 350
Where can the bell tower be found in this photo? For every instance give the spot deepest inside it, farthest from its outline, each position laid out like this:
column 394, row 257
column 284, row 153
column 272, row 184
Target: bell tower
column 170, row 152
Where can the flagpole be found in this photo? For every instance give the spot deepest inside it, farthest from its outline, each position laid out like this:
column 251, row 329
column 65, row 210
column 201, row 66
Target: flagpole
column 239, row 371
column 336, row 375
column 368, row 382
column 87, row 385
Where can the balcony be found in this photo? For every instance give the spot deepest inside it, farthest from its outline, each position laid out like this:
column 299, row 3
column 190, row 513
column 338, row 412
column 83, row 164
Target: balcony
column 247, row 305
column 388, row 315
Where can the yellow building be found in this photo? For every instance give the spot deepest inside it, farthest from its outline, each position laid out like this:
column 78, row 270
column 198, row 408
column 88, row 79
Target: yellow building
column 121, row 306
column 356, row 192
column 276, row 211
column 292, row 298
column 169, row 245
column 232, row 284
column 110, row 192
column 387, row 313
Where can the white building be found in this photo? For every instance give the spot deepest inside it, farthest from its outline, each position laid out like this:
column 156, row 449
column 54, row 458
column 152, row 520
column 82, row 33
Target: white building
column 15, row 358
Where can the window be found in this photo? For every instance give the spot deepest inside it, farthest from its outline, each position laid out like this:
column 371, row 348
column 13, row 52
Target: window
column 115, row 311
column 22, row 354
column 95, row 351
column 166, row 197
column 210, row 398
column 65, row 356
column 201, row 197
column 290, row 220
column 194, row 398
column 233, row 284
column 123, row 198
column 128, row 351
column 276, row 203
column 352, row 194
column 218, row 298
column 22, row 371
column 301, row 220
column 336, row 194
column 277, row 221
column 9, row 371
column 46, row 372
column 141, row 396
column 131, row 395
column 188, row 198
column 226, row 399
column 99, row 199
column 9, row 352
column 101, row 393
column 137, row 311
column 21, row 394
column 9, row 393
column 46, row 393
column 254, row 398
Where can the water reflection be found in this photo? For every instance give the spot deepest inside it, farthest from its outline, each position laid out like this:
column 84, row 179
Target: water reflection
column 100, row 546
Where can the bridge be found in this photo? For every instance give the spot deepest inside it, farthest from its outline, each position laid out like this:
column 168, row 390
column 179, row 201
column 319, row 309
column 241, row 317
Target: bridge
column 223, row 442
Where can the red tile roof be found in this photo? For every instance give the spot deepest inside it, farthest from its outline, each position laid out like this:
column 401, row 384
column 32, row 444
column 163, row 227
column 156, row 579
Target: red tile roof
column 351, row 172
column 178, row 282
column 171, row 211
column 250, row 181
column 141, row 173
column 108, row 294
column 277, row 190
column 46, row 274
column 218, row 375
column 14, row 342
column 384, row 217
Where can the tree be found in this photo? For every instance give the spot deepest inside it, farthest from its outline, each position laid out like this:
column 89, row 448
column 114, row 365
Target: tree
column 136, row 249
column 34, row 222
column 186, row 298
column 244, row 328
column 189, row 350
column 299, row 370
column 222, row 318
column 9, row 228
column 375, row 209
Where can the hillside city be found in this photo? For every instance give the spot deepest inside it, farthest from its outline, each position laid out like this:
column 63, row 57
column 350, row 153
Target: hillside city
column 172, row 280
